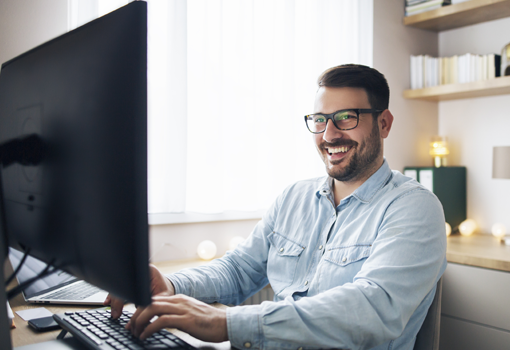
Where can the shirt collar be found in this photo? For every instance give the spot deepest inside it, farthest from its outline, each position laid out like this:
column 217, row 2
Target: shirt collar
column 366, row 192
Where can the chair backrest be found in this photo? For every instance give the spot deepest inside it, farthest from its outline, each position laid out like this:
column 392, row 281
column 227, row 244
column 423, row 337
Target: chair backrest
column 428, row 335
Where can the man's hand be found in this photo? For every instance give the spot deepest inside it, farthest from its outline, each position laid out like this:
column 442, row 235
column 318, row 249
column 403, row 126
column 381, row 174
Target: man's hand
column 187, row 314
column 159, row 285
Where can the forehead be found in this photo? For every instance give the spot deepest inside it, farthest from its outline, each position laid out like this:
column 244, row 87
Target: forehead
column 331, row 99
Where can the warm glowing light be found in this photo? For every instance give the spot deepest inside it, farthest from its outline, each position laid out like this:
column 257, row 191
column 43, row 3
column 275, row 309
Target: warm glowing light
column 498, row 230
column 448, row 229
column 467, row 227
column 439, row 150
column 235, row 241
column 206, row 250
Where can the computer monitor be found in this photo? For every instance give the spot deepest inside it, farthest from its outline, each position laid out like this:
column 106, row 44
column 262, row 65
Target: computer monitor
column 83, row 208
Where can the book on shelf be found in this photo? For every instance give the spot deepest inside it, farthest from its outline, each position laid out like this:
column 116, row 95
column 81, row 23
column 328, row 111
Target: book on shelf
column 427, row 71
column 419, row 6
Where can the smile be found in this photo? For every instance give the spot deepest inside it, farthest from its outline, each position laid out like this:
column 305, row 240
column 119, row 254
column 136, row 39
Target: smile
column 335, row 150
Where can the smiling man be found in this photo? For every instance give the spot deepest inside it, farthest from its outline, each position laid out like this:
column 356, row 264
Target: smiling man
column 353, row 258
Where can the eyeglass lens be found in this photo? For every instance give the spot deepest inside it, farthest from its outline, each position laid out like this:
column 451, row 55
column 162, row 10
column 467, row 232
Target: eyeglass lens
column 344, row 120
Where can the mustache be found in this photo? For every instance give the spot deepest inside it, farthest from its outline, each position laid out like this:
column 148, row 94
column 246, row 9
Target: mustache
column 338, row 143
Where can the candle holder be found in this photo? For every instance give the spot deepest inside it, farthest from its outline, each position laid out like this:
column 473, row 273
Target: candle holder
column 439, row 150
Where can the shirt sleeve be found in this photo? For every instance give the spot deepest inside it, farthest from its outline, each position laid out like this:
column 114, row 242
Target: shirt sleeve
column 398, row 278
column 236, row 276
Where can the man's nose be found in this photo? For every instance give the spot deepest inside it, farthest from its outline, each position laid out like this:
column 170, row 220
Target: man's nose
column 332, row 132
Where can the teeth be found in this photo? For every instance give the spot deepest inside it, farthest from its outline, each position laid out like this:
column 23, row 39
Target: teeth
column 338, row 150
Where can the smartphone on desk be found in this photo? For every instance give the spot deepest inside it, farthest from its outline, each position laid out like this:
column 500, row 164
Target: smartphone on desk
column 43, row 324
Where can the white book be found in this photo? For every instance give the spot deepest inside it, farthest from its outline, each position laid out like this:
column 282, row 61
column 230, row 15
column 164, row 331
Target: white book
column 472, row 66
column 442, row 70
column 491, row 74
column 421, row 63
column 428, row 81
column 479, row 68
column 454, row 69
column 460, row 69
column 412, row 72
column 484, row 67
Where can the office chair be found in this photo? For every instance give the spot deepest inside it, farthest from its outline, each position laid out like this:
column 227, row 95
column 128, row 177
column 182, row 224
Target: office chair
column 428, row 335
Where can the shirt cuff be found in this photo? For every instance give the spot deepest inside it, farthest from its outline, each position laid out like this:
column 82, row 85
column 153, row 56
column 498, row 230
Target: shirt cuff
column 179, row 287
column 244, row 327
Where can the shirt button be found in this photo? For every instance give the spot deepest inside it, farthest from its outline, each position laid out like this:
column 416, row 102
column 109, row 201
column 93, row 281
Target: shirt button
column 320, row 247
column 344, row 259
column 281, row 250
column 247, row 345
column 306, row 283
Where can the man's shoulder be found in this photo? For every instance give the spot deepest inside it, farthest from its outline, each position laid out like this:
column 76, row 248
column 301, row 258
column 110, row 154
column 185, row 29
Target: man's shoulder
column 400, row 185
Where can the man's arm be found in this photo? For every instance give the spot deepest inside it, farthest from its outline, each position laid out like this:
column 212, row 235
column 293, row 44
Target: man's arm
column 237, row 275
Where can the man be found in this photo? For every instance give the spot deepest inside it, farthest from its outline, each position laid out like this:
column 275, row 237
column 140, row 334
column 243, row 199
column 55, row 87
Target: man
column 353, row 258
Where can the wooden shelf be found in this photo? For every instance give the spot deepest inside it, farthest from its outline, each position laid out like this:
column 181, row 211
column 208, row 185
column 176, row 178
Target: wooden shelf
column 498, row 86
column 460, row 15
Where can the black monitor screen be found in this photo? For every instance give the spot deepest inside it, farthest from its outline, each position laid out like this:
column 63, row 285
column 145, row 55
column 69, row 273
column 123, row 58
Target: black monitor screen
column 84, row 207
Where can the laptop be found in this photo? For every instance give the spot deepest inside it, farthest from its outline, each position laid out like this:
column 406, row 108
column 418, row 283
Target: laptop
column 57, row 288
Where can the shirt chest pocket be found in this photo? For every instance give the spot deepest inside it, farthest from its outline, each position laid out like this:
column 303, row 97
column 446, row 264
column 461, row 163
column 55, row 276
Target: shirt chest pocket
column 341, row 264
column 282, row 261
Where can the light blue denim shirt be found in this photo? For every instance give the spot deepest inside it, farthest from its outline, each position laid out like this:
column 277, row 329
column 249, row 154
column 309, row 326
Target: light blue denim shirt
column 361, row 275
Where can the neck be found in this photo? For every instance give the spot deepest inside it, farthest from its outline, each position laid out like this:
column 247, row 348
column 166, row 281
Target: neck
column 342, row 189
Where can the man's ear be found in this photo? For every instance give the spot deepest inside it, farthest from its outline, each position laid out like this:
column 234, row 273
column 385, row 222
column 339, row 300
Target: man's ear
column 385, row 121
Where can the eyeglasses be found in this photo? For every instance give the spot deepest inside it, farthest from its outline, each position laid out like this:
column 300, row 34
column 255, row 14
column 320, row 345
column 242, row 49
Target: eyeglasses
column 344, row 119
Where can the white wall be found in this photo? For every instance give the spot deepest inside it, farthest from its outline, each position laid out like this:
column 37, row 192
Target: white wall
column 475, row 126
column 180, row 241
column 415, row 121
column 25, row 24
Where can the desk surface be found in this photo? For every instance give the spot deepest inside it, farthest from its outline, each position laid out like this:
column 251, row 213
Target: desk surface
column 24, row 335
column 478, row 250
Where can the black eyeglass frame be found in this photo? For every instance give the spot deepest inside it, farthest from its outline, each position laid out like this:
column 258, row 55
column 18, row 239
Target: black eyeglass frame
column 330, row 116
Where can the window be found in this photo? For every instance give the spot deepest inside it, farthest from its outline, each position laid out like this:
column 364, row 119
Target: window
column 229, row 83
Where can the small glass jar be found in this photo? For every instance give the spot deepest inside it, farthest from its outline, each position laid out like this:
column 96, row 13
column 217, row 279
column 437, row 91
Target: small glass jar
column 505, row 60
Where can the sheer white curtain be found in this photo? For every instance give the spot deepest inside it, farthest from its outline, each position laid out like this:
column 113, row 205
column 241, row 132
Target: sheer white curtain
column 229, row 84
column 228, row 132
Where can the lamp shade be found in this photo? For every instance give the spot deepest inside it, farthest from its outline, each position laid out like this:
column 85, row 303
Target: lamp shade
column 501, row 162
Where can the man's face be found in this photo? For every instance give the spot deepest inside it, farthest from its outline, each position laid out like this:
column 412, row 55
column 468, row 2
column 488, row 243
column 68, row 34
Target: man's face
column 349, row 155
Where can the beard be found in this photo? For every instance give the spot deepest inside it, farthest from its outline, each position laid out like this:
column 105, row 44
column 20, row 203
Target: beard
column 362, row 159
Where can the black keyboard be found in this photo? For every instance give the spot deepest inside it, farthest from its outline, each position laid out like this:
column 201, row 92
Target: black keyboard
column 97, row 330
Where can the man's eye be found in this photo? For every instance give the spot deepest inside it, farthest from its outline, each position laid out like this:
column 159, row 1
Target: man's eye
column 319, row 119
column 344, row 116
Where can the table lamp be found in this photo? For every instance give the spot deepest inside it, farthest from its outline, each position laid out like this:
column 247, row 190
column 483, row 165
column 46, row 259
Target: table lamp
column 439, row 150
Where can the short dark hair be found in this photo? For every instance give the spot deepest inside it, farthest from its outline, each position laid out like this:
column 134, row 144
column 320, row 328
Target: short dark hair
column 359, row 76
